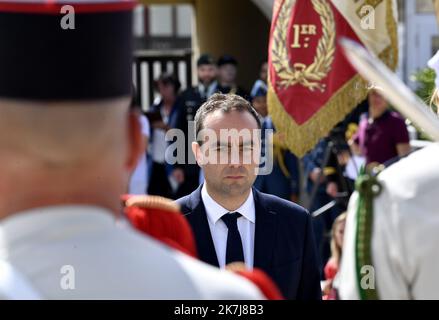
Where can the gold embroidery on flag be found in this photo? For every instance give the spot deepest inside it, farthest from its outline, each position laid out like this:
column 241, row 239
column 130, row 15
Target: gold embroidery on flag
column 308, row 76
column 302, row 138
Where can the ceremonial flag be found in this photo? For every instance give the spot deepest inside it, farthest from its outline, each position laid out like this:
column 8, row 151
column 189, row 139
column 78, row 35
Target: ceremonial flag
column 311, row 85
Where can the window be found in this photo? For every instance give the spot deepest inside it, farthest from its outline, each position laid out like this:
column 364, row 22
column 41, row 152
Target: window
column 160, row 20
column 424, row 6
column 184, row 19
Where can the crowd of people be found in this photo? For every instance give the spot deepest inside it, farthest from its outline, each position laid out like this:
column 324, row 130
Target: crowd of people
column 174, row 109
column 372, row 134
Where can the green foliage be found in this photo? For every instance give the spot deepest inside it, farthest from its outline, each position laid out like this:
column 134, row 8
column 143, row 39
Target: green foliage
column 424, row 79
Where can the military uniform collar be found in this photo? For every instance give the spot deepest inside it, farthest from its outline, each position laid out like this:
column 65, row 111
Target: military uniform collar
column 52, row 224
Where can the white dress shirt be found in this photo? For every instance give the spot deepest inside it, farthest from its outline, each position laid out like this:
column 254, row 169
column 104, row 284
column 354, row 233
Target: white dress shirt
column 104, row 260
column 206, row 93
column 218, row 229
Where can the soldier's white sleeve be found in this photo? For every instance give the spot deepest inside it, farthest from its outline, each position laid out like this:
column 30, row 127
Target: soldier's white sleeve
column 405, row 236
column 407, row 266
column 387, row 272
column 346, row 278
column 106, row 260
column 13, row 286
column 391, row 268
column 215, row 284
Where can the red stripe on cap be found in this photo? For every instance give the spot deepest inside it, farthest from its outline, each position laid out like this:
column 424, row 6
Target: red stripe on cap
column 54, row 7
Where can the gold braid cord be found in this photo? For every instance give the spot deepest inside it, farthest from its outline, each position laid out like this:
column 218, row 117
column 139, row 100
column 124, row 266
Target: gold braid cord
column 152, row 202
column 302, row 138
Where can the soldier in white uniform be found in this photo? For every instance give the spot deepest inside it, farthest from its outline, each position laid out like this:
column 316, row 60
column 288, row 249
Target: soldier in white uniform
column 391, row 236
column 68, row 144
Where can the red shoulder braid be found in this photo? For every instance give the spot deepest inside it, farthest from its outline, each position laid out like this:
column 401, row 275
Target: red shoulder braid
column 161, row 219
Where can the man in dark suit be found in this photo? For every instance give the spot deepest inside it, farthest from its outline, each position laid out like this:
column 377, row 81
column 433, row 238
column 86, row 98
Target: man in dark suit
column 233, row 221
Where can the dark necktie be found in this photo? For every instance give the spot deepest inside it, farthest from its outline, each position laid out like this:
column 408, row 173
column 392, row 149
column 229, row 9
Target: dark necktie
column 234, row 251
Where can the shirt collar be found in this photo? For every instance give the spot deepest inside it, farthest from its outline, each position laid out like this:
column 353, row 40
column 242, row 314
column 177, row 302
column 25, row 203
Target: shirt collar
column 381, row 117
column 201, row 87
column 215, row 211
column 209, row 90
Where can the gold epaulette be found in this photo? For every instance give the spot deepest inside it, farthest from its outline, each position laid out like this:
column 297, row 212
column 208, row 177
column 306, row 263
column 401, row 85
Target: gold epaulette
column 236, row 266
column 152, row 202
column 327, row 171
column 351, row 131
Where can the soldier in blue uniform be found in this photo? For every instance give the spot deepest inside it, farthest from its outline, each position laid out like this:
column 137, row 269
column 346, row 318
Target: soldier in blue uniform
column 283, row 179
column 191, row 99
column 321, row 177
column 227, row 72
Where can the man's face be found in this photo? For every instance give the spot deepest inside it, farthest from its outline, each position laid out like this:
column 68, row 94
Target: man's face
column 206, row 73
column 263, row 75
column 241, row 152
column 260, row 104
column 377, row 103
column 227, row 73
column 167, row 91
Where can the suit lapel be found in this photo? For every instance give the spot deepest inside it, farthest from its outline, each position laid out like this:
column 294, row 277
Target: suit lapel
column 265, row 232
column 200, row 226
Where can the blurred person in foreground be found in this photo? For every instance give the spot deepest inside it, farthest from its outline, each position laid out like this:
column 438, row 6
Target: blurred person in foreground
column 139, row 178
column 69, row 145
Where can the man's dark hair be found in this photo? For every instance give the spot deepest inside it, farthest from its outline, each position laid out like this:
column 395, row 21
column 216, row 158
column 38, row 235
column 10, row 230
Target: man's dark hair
column 226, row 103
column 205, row 59
column 227, row 59
column 168, row 79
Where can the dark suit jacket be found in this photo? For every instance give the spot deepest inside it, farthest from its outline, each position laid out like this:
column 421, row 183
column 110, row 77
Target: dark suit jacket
column 284, row 242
